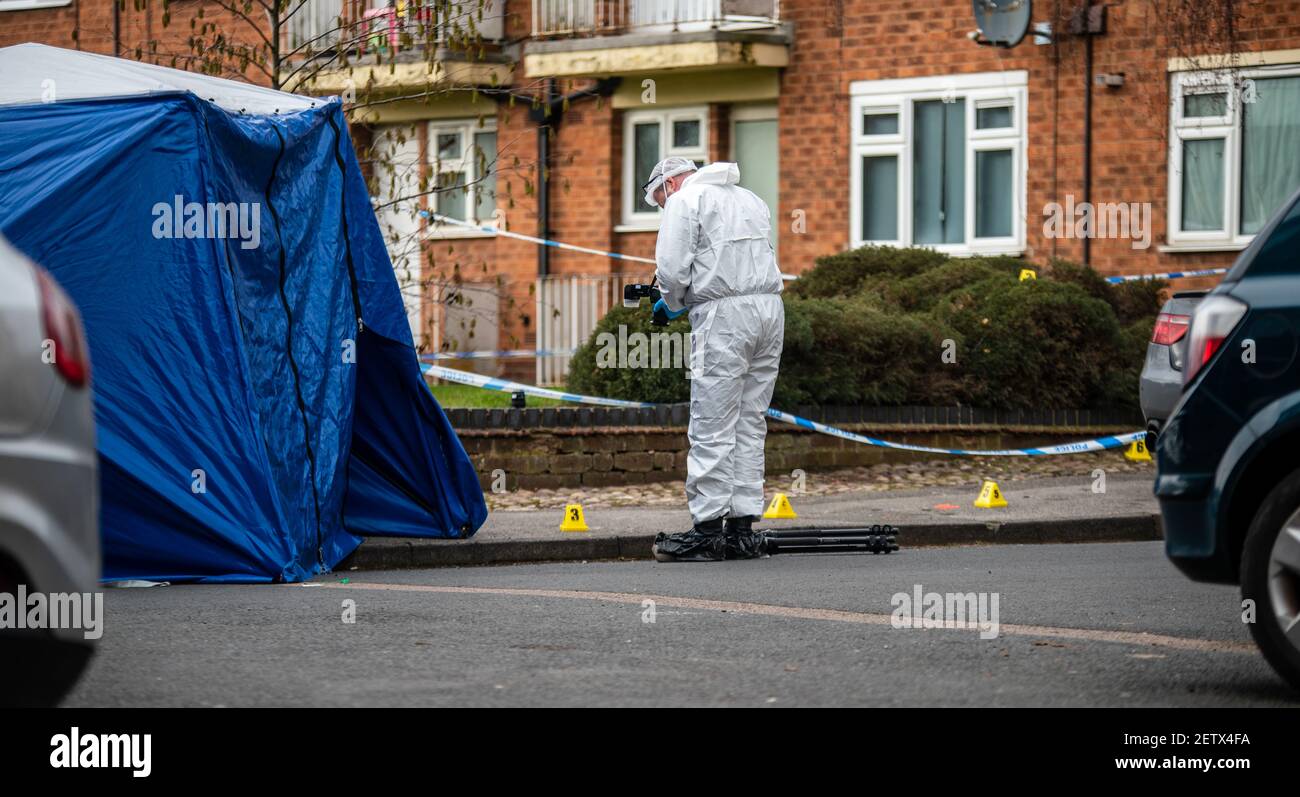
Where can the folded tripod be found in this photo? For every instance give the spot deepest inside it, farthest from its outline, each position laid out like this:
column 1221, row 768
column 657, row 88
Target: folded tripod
column 859, row 539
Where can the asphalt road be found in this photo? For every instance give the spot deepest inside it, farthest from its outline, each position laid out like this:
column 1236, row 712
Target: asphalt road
column 1080, row 625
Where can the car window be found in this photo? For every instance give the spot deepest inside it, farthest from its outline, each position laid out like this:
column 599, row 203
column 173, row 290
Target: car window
column 1278, row 253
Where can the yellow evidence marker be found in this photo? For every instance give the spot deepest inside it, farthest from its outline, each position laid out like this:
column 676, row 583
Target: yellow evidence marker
column 779, row 508
column 1028, row 274
column 1138, row 452
column 573, row 519
column 990, row 496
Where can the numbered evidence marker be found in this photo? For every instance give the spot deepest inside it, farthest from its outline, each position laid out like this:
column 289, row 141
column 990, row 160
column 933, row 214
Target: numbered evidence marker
column 1028, row 274
column 990, row 496
column 779, row 508
column 1137, row 452
column 573, row 519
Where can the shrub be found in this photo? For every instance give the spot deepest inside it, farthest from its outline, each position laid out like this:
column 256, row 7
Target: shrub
column 869, row 326
column 844, row 273
column 590, row 374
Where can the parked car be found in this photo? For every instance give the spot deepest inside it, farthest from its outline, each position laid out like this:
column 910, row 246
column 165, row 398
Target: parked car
column 1228, row 473
column 49, row 482
column 1161, row 384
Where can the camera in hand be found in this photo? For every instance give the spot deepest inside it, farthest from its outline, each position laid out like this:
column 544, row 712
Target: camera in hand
column 633, row 294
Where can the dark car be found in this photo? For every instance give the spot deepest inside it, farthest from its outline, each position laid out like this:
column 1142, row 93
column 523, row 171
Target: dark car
column 1228, row 475
column 1161, row 385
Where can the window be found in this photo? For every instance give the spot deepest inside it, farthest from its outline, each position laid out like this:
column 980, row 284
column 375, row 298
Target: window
column 1233, row 158
column 756, row 148
column 939, row 162
column 649, row 137
column 462, row 163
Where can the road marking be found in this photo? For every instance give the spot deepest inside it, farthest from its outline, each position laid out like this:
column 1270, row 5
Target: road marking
column 1138, row 638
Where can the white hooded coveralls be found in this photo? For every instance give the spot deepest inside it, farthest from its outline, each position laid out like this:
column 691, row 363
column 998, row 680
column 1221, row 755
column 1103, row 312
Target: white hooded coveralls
column 714, row 256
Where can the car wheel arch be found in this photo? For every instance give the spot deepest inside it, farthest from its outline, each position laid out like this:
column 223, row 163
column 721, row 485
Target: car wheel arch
column 1254, row 475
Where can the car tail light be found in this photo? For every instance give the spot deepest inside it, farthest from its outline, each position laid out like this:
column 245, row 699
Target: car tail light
column 1170, row 328
column 63, row 330
column 1213, row 321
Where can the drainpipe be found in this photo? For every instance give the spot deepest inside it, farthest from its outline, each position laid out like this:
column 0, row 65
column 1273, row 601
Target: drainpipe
column 117, row 29
column 548, row 116
column 1088, row 21
column 544, row 179
column 1087, row 137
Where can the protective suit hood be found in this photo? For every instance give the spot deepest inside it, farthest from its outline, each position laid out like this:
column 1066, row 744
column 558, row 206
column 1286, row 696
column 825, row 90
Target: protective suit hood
column 720, row 173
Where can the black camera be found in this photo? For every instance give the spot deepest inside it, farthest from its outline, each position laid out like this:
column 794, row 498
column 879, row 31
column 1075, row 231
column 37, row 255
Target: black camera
column 633, row 294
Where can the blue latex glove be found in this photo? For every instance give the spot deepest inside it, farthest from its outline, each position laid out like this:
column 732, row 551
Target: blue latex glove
column 662, row 306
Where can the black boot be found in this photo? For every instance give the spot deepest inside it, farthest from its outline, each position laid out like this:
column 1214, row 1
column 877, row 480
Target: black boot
column 704, row 543
column 740, row 540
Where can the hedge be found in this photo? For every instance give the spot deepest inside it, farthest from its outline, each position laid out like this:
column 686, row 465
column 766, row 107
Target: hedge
column 872, row 326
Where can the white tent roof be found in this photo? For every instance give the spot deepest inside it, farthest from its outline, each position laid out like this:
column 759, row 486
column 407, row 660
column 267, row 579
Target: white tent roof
column 78, row 75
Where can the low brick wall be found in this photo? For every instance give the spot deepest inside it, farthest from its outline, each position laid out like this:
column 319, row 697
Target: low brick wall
column 622, row 455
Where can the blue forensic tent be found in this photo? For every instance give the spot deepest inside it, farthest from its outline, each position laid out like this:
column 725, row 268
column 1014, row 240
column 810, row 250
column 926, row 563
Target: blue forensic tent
column 258, row 399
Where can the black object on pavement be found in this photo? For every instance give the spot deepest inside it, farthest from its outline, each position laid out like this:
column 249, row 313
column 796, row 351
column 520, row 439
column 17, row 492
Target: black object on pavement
column 858, row 539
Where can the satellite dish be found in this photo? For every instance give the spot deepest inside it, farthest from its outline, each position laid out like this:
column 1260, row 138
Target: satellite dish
column 1003, row 23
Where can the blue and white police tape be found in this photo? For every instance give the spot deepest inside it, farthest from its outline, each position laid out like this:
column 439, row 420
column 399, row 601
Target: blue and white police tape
column 1080, row 447
column 488, row 383
column 1096, row 444
column 540, row 241
column 547, row 241
column 1167, row 275
column 495, row 354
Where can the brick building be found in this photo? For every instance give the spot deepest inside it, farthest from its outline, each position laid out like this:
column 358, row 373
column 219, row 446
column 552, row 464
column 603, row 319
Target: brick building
column 857, row 120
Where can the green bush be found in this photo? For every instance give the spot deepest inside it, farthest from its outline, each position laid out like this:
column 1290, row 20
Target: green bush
column 843, row 274
column 870, row 326
column 847, row 351
column 590, row 372
column 1032, row 344
column 1132, row 301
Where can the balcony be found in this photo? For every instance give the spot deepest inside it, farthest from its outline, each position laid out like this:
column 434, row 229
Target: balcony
column 610, row 17
column 388, row 28
column 331, row 45
column 588, row 38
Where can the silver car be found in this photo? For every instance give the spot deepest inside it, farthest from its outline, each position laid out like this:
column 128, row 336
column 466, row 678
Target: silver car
column 49, row 488
column 1162, row 376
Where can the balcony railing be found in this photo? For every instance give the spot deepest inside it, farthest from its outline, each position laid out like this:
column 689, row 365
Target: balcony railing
column 388, row 27
column 607, row 17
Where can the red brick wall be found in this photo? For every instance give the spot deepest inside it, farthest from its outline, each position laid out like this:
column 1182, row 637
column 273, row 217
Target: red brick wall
column 863, row 40
column 836, row 42
column 88, row 25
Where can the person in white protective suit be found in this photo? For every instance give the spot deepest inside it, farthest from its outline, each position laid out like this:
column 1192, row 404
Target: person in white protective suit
column 714, row 258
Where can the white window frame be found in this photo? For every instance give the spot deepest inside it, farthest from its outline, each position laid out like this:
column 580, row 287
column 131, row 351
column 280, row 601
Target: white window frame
column 467, row 128
column 979, row 90
column 1227, row 127
column 633, row 219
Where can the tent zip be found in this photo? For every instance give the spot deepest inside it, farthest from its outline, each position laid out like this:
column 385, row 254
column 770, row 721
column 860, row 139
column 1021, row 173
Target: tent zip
column 343, row 215
column 293, row 363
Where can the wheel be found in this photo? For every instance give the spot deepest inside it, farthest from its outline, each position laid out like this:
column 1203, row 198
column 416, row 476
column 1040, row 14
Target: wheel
column 36, row 669
column 1270, row 576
